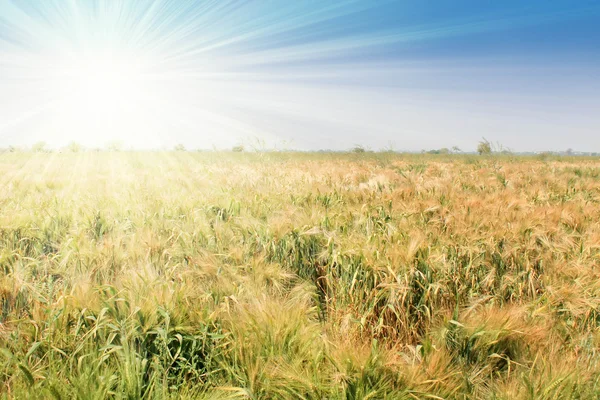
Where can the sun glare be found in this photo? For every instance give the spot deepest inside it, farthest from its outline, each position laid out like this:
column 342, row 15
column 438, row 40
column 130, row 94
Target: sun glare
column 101, row 83
column 105, row 84
column 104, row 96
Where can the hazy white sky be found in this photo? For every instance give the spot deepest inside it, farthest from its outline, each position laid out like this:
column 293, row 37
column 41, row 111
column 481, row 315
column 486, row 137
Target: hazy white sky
column 306, row 75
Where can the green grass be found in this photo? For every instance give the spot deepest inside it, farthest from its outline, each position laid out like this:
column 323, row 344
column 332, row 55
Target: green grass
column 294, row 275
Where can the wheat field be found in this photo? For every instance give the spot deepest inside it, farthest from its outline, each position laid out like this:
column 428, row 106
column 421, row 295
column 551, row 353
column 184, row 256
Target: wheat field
column 133, row 275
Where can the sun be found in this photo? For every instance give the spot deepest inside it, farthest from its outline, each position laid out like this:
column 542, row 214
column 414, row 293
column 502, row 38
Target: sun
column 102, row 82
column 105, row 85
column 103, row 95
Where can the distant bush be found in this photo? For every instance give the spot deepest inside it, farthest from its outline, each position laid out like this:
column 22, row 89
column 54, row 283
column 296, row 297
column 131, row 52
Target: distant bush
column 543, row 156
column 358, row 149
column 74, row 147
column 39, row 147
column 115, row 146
column 484, row 147
column 179, row 147
column 237, row 149
column 443, row 150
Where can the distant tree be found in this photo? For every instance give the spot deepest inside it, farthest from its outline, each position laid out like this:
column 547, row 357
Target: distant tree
column 390, row 147
column 237, row 149
column 74, row 147
column 257, row 144
column 179, row 147
column 484, row 147
column 115, row 145
column 544, row 155
column 456, row 149
column 569, row 152
column 443, row 150
column 358, row 149
column 39, row 147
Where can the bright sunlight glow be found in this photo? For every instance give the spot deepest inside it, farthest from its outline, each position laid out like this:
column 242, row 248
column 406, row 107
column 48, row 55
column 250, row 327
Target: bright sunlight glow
column 102, row 87
column 101, row 94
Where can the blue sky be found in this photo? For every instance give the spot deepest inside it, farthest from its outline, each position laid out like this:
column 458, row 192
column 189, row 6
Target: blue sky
column 410, row 75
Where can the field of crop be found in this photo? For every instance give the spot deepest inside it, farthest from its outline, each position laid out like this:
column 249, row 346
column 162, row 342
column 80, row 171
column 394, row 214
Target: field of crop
column 315, row 276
